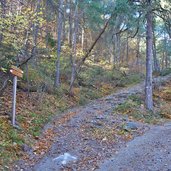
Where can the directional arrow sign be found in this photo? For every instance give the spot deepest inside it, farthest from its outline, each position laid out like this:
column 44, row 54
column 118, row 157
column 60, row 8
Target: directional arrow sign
column 16, row 72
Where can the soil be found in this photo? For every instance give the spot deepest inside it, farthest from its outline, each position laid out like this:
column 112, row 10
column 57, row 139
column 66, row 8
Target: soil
column 94, row 135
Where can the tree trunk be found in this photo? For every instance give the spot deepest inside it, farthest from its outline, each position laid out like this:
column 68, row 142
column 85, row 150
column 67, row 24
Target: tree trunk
column 127, row 49
column 165, row 51
column 90, row 49
column 59, row 32
column 163, row 59
column 113, row 52
column 74, row 44
column 48, row 16
column 82, row 38
column 70, row 26
column 138, row 52
column 149, row 56
column 64, row 25
column 156, row 62
column 118, row 49
column 36, row 30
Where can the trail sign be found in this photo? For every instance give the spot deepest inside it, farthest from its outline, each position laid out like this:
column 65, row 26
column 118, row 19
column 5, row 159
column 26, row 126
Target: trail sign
column 16, row 72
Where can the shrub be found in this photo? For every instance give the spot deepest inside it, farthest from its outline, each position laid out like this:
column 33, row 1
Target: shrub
column 165, row 72
column 132, row 78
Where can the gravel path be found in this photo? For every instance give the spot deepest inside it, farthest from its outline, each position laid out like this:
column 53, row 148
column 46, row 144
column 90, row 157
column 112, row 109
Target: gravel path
column 93, row 134
column 150, row 152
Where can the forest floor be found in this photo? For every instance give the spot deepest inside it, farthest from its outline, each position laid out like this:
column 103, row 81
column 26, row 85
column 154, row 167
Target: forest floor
column 89, row 135
column 36, row 108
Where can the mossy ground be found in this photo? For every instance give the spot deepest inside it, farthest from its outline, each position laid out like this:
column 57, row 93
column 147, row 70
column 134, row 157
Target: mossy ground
column 134, row 107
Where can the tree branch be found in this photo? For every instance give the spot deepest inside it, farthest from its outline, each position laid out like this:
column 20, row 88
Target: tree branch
column 4, row 85
column 92, row 46
column 31, row 56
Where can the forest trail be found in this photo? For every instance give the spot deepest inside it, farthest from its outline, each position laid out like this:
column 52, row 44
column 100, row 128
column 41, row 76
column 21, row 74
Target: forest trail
column 150, row 152
column 93, row 134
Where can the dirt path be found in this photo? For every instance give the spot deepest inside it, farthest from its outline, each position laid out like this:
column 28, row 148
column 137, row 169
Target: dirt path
column 91, row 134
column 150, row 152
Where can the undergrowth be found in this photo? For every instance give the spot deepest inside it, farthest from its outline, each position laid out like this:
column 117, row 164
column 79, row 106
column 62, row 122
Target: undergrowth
column 134, row 107
column 35, row 110
column 165, row 72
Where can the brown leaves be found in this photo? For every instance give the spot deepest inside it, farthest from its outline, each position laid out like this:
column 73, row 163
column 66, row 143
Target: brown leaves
column 44, row 142
column 166, row 110
column 164, row 95
column 65, row 118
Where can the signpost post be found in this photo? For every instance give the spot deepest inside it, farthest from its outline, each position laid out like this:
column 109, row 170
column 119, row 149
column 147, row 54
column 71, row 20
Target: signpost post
column 16, row 72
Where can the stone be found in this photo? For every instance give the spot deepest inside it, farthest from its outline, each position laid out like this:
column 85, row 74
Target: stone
column 26, row 148
column 131, row 126
column 65, row 159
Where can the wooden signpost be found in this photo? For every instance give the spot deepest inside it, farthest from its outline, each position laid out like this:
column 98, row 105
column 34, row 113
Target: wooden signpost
column 16, row 72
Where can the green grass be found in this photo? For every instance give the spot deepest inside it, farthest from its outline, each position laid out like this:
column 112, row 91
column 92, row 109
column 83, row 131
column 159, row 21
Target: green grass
column 134, row 108
column 132, row 102
column 10, row 143
column 130, row 79
column 37, row 122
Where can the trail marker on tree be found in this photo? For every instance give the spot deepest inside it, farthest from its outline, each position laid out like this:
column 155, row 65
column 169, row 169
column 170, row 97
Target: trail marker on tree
column 16, row 72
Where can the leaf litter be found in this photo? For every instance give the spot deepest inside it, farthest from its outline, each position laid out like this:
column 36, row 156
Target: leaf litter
column 92, row 134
